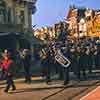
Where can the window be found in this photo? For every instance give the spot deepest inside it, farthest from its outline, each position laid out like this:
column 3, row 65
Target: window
column 1, row 17
column 2, row 11
column 9, row 15
column 88, row 18
column 22, row 17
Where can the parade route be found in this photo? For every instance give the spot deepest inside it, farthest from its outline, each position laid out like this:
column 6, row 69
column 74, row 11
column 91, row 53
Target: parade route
column 49, row 49
column 34, row 91
column 39, row 90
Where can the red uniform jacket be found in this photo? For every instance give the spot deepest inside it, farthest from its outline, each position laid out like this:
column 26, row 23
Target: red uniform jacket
column 6, row 64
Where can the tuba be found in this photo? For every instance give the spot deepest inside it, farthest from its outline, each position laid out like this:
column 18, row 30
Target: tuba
column 61, row 59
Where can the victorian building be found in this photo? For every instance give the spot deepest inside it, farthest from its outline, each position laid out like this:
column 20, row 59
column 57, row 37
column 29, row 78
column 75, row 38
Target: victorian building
column 96, row 24
column 83, row 22
column 15, row 22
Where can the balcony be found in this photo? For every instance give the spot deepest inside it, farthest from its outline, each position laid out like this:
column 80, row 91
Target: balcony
column 11, row 28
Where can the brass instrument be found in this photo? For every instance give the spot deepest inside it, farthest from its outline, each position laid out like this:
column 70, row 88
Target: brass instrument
column 61, row 59
column 43, row 54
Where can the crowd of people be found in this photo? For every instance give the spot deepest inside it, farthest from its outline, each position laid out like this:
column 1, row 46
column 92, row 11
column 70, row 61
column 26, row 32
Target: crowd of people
column 80, row 56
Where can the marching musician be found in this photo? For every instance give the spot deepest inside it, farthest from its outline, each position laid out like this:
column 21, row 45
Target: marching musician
column 47, row 63
column 66, row 70
column 43, row 57
column 8, row 68
column 59, row 69
column 62, row 63
column 74, row 58
column 26, row 59
column 89, row 58
column 97, row 59
column 92, row 57
column 83, row 62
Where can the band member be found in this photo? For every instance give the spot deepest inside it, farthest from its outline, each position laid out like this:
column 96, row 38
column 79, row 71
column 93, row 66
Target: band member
column 83, row 62
column 75, row 55
column 64, row 63
column 47, row 64
column 8, row 68
column 58, row 68
column 89, row 58
column 26, row 59
column 43, row 58
column 92, row 58
column 97, row 59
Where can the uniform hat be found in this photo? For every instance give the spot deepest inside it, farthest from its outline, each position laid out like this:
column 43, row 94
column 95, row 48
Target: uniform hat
column 6, row 53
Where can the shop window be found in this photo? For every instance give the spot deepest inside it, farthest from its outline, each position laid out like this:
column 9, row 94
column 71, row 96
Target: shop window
column 2, row 11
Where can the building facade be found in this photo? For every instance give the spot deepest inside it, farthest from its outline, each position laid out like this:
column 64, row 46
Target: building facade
column 54, row 32
column 83, row 22
column 96, row 24
column 15, row 15
column 15, row 20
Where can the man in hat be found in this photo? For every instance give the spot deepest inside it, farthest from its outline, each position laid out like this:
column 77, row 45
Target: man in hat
column 26, row 59
column 8, row 67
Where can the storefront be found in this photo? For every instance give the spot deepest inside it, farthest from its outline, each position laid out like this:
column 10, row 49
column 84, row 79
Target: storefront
column 9, row 41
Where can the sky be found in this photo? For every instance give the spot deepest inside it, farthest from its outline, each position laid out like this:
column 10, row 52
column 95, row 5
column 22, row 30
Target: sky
column 50, row 12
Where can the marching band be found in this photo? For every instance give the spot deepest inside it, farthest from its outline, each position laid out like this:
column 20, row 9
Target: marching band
column 79, row 58
column 62, row 58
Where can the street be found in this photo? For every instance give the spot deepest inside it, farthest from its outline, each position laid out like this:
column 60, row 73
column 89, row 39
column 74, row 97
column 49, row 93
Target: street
column 39, row 90
column 56, row 43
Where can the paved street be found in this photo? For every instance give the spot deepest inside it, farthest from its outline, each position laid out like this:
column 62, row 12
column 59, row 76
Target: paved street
column 39, row 90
